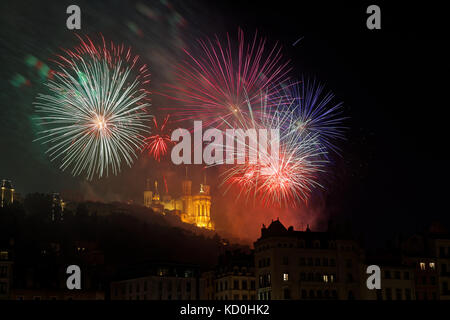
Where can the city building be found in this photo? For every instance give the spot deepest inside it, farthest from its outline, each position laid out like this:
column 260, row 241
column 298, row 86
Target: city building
column 397, row 280
column 233, row 279
column 6, row 193
column 418, row 254
column 429, row 254
column 441, row 246
column 157, row 282
column 307, row 265
column 193, row 209
column 6, row 273
column 56, row 294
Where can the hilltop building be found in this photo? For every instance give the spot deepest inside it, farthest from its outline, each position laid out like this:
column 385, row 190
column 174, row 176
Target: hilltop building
column 193, row 209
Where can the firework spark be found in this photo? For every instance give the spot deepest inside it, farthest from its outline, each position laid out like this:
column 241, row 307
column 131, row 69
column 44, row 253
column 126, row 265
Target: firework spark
column 158, row 143
column 314, row 112
column 284, row 178
column 95, row 113
column 217, row 78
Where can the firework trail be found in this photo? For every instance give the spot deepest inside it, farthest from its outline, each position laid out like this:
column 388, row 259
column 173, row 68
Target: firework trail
column 95, row 113
column 217, row 78
column 158, row 143
column 313, row 111
column 279, row 178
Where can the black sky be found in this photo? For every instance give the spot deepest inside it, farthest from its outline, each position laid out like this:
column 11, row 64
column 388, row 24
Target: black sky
column 393, row 171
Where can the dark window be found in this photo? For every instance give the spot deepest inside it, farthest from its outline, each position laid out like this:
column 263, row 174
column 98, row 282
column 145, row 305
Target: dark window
column 317, row 261
column 351, row 296
column 244, row 285
column 334, row 294
column 310, row 261
column 285, row 260
column 406, row 275
column 332, row 262
column 302, row 261
column 287, row 293
column 236, row 285
column 398, row 294
column 379, row 295
column 387, row 274
column 2, row 287
column 268, row 262
column 302, row 276
column 407, row 294
column 443, row 269
column 304, row 294
column 388, row 294
column 188, row 286
column 445, row 288
column 325, row 262
column 397, row 274
column 349, row 277
column 252, row 284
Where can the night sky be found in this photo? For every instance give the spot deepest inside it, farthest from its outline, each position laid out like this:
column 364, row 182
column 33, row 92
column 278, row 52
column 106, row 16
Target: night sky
column 393, row 170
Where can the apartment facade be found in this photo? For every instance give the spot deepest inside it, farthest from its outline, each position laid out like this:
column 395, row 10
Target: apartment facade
column 233, row 278
column 307, row 265
column 159, row 282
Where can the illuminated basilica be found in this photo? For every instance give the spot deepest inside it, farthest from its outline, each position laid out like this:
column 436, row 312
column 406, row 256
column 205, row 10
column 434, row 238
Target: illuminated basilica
column 191, row 209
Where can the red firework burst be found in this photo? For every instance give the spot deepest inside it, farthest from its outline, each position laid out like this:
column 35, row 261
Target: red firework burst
column 218, row 84
column 158, row 143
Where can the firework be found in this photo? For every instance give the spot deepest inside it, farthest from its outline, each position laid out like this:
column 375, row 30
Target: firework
column 217, row 78
column 158, row 143
column 313, row 111
column 283, row 178
column 95, row 113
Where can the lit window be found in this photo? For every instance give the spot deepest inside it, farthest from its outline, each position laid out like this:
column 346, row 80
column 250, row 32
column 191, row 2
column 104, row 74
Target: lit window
column 432, row 266
column 285, row 276
column 331, row 277
column 325, row 278
column 422, row 266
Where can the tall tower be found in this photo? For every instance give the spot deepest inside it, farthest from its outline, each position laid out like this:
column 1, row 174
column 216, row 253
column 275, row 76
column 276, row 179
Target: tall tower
column 57, row 207
column 148, row 195
column 186, row 197
column 6, row 193
column 202, row 207
column 156, row 195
